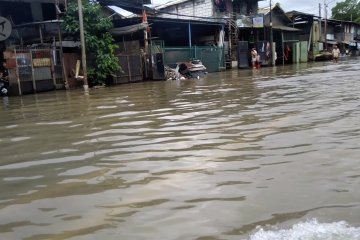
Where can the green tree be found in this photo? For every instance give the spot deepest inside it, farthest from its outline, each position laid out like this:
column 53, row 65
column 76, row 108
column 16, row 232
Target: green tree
column 100, row 44
column 348, row 10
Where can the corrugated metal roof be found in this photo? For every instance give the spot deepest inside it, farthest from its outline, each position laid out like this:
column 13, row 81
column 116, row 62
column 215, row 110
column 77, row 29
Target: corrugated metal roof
column 264, row 10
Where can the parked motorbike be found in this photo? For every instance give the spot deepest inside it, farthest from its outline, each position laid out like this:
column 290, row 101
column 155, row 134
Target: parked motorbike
column 4, row 87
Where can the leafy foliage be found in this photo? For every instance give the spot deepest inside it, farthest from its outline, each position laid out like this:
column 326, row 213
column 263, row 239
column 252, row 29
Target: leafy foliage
column 99, row 42
column 347, row 10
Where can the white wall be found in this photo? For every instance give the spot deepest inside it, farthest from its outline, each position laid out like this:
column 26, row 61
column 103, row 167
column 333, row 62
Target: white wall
column 190, row 10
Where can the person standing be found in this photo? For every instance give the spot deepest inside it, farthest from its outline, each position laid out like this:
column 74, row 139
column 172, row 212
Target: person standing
column 335, row 53
column 254, row 56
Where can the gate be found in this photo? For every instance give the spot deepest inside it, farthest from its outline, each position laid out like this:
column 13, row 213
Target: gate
column 132, row 70
column 213, row 58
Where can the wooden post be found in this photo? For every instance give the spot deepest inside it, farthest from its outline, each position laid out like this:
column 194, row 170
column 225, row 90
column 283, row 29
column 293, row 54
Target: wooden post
column 271, row 39
column 32, row 71
column 283, row 46
column 129, row 68
column 320, row 30
column 83, row 47
column 17, row 72
column 190, row 37
column 325, row 27
column 62, row 62
column 41, row 35
column 53, row 64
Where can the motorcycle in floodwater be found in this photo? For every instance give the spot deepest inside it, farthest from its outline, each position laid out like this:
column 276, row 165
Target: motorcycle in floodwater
column 192, row 69
column 183, row 70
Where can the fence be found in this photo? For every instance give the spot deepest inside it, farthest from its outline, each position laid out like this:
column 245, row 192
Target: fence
column 34, row 70
column 213, row 58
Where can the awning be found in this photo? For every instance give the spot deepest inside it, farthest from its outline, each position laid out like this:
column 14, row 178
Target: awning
column 332, row 42
column 38, row 23
column 129, row 29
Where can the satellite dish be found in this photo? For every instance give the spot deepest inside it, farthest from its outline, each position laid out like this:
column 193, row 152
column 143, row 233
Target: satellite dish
column 5, row 28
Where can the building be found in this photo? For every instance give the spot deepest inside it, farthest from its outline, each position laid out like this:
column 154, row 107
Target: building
column 203, row 23
column 323, row 34
column 31, row 52
column 285, row 35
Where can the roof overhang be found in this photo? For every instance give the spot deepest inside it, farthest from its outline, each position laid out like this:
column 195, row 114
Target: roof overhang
column 38, row 23
column 129, row 29
column 186, row 21
column 285, row 28
column 135, row 6
column 332, row 42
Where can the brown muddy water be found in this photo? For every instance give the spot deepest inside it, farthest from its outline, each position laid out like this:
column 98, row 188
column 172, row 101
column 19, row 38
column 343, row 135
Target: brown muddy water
column 265, row 154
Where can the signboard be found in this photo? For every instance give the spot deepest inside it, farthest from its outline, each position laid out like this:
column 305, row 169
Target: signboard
column 250, row 21
column 258, row 22
column 243, row 22
column 5, row 28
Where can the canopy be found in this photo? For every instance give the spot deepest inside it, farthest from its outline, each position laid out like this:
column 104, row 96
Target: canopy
column 129, row 29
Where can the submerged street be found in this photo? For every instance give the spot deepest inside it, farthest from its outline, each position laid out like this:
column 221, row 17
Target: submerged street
column 232, row 156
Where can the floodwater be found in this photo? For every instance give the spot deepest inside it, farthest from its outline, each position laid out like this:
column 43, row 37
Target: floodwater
column 260, row 154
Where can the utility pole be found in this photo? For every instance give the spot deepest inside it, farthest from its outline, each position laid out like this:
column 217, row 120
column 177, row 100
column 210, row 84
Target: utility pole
column 83, row 48
column 325, row 27
column 271, row 38
column 320, row 21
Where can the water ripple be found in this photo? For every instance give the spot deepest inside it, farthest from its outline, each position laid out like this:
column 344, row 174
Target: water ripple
column 236, row 155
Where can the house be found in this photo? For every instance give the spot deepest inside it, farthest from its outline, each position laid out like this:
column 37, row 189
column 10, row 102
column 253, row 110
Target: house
column 191, row 29
column 30, row 51
column 345, row 34
column 312, row 28
column 241, row 31
column 202, row 23
column 285, row 36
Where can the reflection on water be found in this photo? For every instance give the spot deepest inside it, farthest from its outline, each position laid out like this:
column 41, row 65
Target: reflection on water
column 238, row 155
